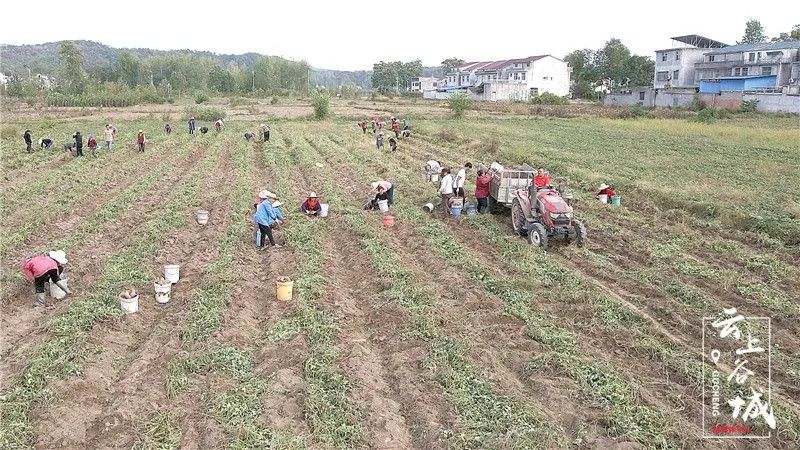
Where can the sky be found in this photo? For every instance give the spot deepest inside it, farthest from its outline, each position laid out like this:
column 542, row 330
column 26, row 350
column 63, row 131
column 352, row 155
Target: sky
column 352, row 35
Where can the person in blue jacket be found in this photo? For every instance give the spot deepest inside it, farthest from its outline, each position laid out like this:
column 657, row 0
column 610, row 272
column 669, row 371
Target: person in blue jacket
column 266, row 217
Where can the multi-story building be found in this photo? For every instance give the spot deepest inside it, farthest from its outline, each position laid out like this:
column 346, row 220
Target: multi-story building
column 675, row 67
column 512, row 79
column 768, row 65
column 422, row 84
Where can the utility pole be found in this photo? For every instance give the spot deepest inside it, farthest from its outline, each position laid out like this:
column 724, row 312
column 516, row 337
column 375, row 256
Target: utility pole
column 308, row 80
column 254, row 80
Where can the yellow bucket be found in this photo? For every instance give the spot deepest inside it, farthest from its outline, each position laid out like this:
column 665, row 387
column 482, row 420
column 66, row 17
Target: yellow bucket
column 284, row 290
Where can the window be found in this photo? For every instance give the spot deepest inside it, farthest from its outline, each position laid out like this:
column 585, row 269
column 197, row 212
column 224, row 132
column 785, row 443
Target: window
column 662, row 76
column 744, row 71
column 675, row 74
column 663, row 56
column 641, row 95
column 737, row 71
column 677, row 56
column 710, row 58
column 523, row 75
column 766, row 71
column 751, row 57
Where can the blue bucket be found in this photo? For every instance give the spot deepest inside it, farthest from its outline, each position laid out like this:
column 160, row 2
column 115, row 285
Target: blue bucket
column 471, row 208
column 455, row 211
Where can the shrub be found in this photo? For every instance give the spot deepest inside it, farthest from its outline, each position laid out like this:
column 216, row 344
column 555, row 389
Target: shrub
column 750, row 105
column 200, row 97
column 205, row 113
column 321, row 101
column 274, row 101
column 697, row 104
column 547, row 98
column 709, row 115
column 459, row 103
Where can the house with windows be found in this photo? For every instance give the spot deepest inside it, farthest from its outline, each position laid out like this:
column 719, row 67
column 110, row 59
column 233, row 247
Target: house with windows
column 510, row 79
column 675, row 66
column 422, row 84
column 764, row 66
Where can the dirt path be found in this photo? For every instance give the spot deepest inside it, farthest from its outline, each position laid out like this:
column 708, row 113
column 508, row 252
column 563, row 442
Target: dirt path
column 131, row 356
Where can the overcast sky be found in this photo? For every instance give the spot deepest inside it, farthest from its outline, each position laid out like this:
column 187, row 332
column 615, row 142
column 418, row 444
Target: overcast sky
column 352, row 35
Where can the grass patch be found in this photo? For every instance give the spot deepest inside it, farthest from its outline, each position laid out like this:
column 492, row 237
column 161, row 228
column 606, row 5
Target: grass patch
column 687, row 295
column 161, row 432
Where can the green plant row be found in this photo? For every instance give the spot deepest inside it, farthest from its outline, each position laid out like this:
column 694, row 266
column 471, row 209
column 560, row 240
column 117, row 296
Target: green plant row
column 489, row 419
column 334, row 418
column 58, row 357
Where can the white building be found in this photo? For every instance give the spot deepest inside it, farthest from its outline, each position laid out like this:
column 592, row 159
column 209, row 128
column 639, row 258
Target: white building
column 422, row 84
column 512, row 79
column 4, row 79
column 675, row 67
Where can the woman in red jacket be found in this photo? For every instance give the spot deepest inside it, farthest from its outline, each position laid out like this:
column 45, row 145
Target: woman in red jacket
column 482, row 190
column 40, row 269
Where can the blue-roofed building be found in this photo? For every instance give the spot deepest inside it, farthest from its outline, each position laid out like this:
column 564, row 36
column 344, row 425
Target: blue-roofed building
column 764, row 66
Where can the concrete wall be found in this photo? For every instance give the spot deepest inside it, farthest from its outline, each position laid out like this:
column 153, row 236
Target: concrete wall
column 549, row 74
column 725, row 99
column 503, row 91
column 684, row 64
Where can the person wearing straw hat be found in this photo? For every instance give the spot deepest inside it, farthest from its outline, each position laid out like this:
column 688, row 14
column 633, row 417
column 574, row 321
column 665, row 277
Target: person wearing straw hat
column 267, row 216
column 605, row 189
column 265, row 132
column 311, row 205
column 43, row 268
column 387, row 187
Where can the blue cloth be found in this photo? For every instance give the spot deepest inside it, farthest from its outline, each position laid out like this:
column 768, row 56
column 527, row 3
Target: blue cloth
column 266, row 214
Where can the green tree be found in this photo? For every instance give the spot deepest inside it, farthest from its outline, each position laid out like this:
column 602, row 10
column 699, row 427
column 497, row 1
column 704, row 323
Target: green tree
column 610, row 60
column 320, row 100
column 73, row 77
column 753, row 33
column 393, row 76
column 638, row 70
column 450, row 64
column 128, row 69
column 220, row 80
column 459, row 104
column 793, row 35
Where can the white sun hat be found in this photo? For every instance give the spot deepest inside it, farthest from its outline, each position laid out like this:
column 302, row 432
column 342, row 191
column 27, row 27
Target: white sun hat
column 375, row 185
column 277, row 204
column 59, row 256
column 312, row 195
column 603, row 186
column 266, row 194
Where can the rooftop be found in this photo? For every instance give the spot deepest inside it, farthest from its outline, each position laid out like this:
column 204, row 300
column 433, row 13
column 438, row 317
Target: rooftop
column 695, row 40
column 495, row 65
column 756, row 47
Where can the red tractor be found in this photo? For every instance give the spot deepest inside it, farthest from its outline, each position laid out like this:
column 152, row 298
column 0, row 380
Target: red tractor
column 547, row 214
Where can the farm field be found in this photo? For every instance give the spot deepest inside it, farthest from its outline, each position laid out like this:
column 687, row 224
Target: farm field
column 430, row 334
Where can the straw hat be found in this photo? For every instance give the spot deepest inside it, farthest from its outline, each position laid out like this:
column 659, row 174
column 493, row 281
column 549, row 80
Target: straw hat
column 312, row 195
column 277, row 204
column 375, row 185
column 59, row 256
column 266, row 194
column 140, row 131
column 603, row 186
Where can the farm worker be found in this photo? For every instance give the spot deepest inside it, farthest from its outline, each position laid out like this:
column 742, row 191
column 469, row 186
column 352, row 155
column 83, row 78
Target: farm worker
column 167, row 129
column 203, row 130
column 446, row 190
column 605, row 190
column 541, row 179
column 266, row 217
column 381, row 194
column 78, row 143
column 387, row 187
column 249, row 136
column 108, row 136
column 482, row 190
column 374, row 125
column 40, row 269
column 461, row 176
column 140, row 140
column 45, row 143
column 218, row 125
column 393, row 144
column 91, row 143
column 405, row 124
column 311, row 206
column 28, row 140
column 396, row 128
column 363, row 126
column 433, row 166
column 381, row 124
column 379, row 141
column 192, row 125
column 264, row 132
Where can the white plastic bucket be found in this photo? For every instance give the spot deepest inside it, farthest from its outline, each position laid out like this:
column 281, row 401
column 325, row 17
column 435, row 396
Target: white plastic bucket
column 172, row 273
column 129, row 305
column 383, row 205
column 323, row 210
column 603, row 198
column 162, row 291
column 202, row 216
column 428, row 207
column 56, row 291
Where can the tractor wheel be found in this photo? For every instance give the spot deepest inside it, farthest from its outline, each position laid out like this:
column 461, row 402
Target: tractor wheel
column 518, row 218
column 538, row 235
column 580, row 232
